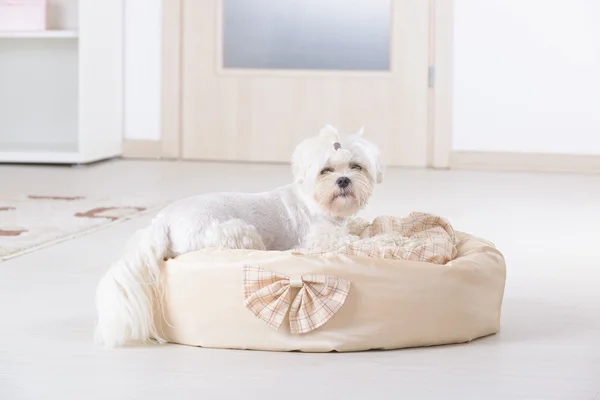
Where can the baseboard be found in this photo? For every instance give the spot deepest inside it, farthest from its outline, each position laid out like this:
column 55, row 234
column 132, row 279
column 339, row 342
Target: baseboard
column 142, row 149
column 532, row 162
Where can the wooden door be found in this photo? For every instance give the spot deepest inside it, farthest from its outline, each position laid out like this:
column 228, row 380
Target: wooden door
column 258, row 76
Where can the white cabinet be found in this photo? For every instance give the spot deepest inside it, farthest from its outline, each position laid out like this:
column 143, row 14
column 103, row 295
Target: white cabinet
column 61, row 90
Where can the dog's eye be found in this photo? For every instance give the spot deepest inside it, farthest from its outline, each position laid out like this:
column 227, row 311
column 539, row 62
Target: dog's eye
column 326, row 170
column 356, row 167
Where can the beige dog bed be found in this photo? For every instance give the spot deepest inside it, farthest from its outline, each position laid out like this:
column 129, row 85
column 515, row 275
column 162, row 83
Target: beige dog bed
column 288, row 301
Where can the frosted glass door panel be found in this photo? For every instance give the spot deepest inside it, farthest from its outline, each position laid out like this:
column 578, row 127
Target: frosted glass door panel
column 307, row 34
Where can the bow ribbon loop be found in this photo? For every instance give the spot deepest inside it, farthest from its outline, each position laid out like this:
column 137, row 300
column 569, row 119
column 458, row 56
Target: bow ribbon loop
column 269, row 297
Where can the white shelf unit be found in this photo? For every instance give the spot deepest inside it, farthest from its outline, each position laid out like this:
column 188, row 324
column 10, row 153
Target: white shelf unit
column 50, row 34
column 61, row 90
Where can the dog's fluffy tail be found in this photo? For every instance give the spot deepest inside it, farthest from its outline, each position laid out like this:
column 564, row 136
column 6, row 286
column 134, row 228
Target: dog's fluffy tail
column 126, row 295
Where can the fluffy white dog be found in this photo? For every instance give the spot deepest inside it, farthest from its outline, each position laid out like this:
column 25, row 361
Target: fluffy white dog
column 333, row 179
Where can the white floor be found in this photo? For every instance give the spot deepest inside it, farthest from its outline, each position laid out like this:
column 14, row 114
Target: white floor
column 547, row 225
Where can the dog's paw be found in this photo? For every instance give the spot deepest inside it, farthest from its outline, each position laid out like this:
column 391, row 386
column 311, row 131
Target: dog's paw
column 325, row 236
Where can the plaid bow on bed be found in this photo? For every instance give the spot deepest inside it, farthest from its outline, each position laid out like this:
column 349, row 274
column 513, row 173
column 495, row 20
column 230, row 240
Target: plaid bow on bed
column 269, row 297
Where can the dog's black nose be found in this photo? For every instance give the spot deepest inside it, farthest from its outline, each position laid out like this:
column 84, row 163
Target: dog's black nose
column 343, row 182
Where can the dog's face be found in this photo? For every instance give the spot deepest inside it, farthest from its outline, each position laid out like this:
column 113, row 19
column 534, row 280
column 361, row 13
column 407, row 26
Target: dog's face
column 338, row 175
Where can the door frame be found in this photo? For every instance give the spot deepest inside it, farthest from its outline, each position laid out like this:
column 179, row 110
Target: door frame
column 172, row 40
column 441, row 48
column 440, row 96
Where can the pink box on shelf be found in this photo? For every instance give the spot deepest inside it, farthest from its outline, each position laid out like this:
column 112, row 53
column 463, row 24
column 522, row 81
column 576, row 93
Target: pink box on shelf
column 23, row 15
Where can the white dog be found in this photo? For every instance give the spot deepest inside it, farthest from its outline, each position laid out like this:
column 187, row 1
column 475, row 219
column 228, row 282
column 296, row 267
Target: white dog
column 333, row 180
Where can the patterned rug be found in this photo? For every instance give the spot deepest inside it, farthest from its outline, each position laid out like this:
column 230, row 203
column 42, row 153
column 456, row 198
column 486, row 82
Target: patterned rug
column 31, row 222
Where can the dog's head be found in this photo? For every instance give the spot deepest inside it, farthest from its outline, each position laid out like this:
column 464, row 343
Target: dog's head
column 337, row 174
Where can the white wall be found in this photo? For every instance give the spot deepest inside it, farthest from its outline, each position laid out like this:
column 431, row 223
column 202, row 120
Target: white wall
column 142, row 69
column 527, row 76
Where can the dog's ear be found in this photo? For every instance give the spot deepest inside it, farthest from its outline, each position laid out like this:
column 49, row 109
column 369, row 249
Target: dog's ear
column 375, row 155
column 298, row 171
column 300, row 161
column 330, row 133
column 371, row 152
column 328, row 129
column 379, row 172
